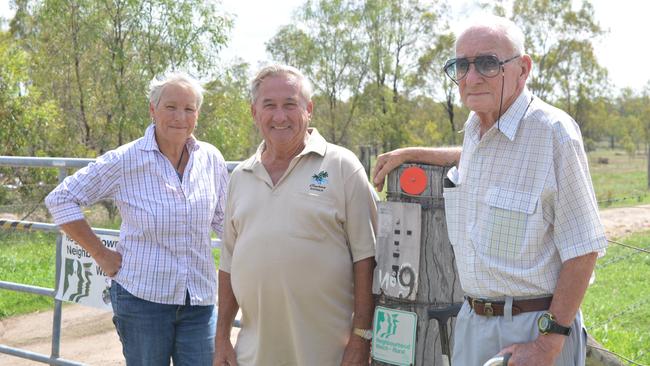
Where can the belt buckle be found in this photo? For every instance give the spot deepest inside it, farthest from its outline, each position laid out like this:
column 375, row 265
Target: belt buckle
column 487, row 307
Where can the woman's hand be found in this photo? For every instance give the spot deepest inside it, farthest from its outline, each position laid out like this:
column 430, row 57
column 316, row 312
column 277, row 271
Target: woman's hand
column 109, row 261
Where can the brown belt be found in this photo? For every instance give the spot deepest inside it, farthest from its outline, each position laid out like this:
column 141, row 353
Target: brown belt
column 490, row 308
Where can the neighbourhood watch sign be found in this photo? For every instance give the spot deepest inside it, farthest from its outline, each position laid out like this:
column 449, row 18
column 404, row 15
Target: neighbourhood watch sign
column 81, row 280
column 393, row 339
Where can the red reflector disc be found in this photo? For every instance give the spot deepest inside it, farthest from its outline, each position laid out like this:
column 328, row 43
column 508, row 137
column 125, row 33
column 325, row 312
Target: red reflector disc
column 413, row 180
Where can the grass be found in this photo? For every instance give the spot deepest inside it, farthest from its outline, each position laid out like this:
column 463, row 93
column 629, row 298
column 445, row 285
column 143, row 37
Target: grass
column 620, row 182
column 26, row 258
column 617, row 305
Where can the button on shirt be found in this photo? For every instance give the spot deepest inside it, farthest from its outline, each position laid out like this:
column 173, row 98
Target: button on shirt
column 523, row 202
column 165, row 232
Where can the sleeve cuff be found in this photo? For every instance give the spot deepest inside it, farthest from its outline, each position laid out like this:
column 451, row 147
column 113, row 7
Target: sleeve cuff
column 66, row 213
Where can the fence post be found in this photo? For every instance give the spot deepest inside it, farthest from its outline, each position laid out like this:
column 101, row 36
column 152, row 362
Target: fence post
column 56, row 320
column 364, row 156
column 438, row 287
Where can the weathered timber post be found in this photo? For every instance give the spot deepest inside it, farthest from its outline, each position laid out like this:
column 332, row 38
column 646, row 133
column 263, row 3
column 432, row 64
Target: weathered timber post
column 364, row 156
column 436, row 286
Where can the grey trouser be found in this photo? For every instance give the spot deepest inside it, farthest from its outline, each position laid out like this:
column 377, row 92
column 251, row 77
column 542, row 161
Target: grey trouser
column 478, row 338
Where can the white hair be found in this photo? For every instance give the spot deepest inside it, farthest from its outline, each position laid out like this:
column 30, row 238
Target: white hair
column 500, row 25
column 159, row 83
column 306, row 88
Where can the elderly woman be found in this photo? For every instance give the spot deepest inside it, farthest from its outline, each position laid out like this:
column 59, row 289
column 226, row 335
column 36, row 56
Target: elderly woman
column 170, row 189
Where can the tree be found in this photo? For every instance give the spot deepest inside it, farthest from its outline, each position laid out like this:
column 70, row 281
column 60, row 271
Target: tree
column 398, row 34
column 326, row 44
column 362, row 58
column 559, row 40
column 95, row 58
column 225, row 119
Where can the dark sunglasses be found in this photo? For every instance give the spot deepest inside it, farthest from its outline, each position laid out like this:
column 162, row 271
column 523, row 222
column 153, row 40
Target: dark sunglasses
column 487, row 65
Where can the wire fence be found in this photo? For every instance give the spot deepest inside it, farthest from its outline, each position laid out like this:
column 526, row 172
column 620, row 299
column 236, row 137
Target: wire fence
column 633, row 197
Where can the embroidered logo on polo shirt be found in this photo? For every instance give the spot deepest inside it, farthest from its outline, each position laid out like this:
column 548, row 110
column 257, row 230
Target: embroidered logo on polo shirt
column 319, row 181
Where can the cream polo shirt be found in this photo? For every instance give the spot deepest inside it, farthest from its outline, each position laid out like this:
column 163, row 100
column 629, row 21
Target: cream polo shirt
column 523, row 203
column 289, row 249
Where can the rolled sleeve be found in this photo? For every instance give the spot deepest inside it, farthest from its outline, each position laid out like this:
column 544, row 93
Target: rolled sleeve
column 88, row 185
column 361, row 216
column 577, row 226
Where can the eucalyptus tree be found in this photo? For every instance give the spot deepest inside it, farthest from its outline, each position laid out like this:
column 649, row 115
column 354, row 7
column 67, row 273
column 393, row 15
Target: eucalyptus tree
column 559, row 38
column 225, row 119
column 398, row 33
column 326, row 42
column 96, row 57
column 362, row 58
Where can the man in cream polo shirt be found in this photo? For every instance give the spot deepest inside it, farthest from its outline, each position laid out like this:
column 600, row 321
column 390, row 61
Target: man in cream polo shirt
column 299, row 240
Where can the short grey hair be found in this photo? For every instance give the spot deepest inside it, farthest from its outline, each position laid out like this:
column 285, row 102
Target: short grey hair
column 306, row 88
column 506, row 27
column 159, row 83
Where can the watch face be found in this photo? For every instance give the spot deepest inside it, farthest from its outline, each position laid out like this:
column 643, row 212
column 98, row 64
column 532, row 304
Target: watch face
column 544, row 323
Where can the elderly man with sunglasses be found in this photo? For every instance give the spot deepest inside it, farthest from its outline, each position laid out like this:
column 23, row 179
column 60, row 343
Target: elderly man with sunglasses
column 521, row 211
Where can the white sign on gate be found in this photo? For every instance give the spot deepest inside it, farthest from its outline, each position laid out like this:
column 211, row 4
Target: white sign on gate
column 398, row 250
column 81, row 280
column 393, row 339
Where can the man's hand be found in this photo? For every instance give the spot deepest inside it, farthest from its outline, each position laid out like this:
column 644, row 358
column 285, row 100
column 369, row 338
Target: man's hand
column 541, row 352
column 109, row 261
column 386, row 162
column 442, row 156
column 224, row 354
column 357, row 352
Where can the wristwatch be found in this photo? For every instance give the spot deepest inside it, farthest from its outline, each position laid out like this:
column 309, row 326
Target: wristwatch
column 363, row 333
column 546, row 324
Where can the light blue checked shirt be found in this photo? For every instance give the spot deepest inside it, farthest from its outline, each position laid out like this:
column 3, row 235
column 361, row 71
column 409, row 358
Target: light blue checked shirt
column 165, row 231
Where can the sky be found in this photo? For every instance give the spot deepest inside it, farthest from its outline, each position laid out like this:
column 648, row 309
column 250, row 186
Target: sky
column 256, row 21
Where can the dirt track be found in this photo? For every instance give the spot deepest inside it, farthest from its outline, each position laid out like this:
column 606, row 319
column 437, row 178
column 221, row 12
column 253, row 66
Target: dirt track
column 88, row 336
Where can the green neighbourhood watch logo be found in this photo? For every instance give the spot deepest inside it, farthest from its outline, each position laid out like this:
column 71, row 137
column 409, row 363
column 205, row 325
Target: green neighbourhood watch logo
column 393, row 338
column 77, row 280
column 386, row 324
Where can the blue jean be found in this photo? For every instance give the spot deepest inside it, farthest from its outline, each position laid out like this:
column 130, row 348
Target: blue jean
column 152, row 333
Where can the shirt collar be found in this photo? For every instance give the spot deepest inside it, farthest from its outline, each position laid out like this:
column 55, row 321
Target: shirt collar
column 509, row 121
column 315, row 143
column 148, row 142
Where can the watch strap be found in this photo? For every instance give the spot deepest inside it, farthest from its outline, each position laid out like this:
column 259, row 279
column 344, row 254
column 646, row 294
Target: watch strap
column 363, row 333
column 552, row 326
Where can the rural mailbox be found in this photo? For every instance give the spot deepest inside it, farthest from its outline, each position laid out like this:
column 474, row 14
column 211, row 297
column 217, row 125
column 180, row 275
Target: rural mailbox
column 398, row 248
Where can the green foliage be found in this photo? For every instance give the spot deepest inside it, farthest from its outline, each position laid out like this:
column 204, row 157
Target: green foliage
column 361, row 58
column 96, row 58
column 616, row 306
column 27, row 119
column 225, row 119
column 559, row 39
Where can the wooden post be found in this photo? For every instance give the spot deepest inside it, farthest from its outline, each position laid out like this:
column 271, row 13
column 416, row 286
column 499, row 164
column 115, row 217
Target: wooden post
column 438, row 285
column 364, row 156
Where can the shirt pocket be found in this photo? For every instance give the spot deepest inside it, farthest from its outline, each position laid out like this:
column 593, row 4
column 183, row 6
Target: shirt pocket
column 453, row 212
column 312, row 216
column 502, row 228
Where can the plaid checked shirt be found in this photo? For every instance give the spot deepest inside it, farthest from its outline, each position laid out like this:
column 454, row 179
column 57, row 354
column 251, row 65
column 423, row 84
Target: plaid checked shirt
column 523, row 202
column 165, row 231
